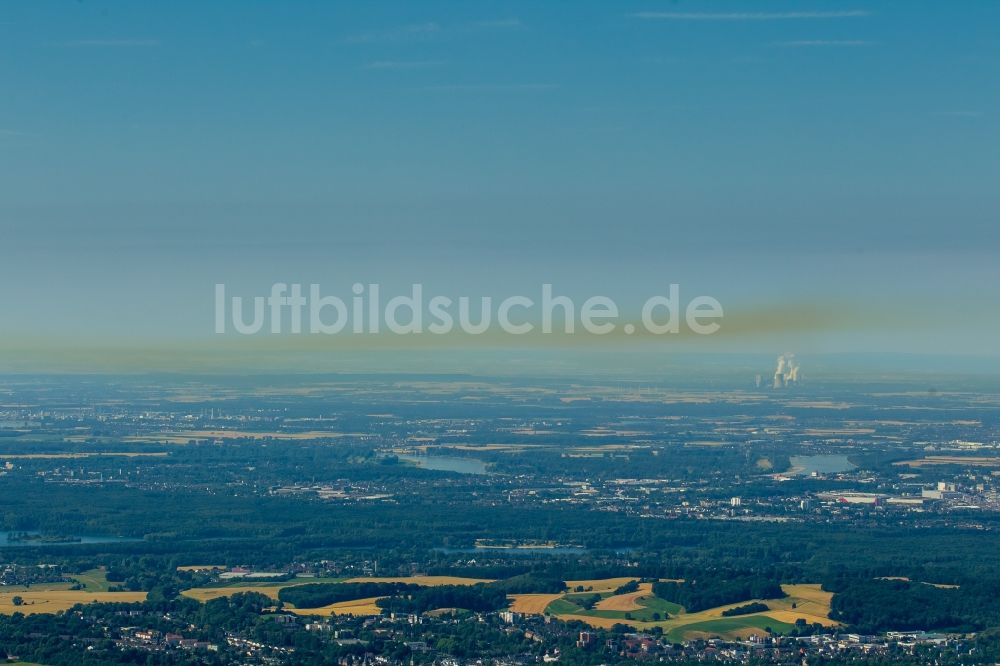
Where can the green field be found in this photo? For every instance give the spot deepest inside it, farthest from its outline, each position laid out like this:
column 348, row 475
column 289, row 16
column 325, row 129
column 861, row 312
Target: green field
column 650, row 606
column 728, row 626
column 94, row 580
column 564, row 607
column 806, row 601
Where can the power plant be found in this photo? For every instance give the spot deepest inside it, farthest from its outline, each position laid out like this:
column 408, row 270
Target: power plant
column 787, row 372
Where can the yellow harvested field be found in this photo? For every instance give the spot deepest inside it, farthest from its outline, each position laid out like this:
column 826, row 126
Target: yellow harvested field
column 811, row 604
column 53, row 601
column 204, row 594
column 429, row 581
column 356, row 607
column 625, row 602
column 601, row 622
column 790, row 616
column 811, row 592
column 738, row 634
column 599, row 584
column 271, row 590
column 532, row 604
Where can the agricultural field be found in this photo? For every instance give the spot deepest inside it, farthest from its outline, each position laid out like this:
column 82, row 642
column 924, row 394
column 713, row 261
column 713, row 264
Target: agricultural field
column 728, row 627
column 598, row 585
column 642, row 610
column 55, row 597
column 52, row 601
column 591, row 601
column 267, row 588
column 811, row 603
column 204, row 594
column 647, row 608
column 355, row 607
column 626, row 602
column 532, row 604
column 271, row 588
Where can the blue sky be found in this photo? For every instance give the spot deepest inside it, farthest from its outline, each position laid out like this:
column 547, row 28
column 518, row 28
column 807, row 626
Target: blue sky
column 839, row 155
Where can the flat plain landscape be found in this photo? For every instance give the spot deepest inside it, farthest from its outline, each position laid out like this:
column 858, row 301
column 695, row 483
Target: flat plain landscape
column 654, row 516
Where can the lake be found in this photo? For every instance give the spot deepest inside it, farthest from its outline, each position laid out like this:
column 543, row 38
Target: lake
column 821, row 464
column 5, row 541
column 448, row 463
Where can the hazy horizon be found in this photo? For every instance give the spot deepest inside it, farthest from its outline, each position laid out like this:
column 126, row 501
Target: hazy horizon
column 826, row 174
